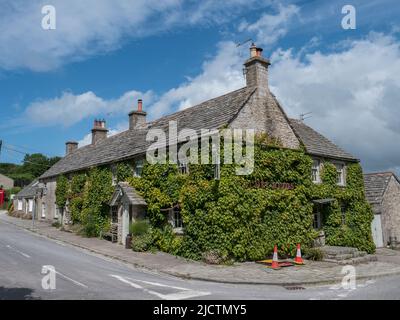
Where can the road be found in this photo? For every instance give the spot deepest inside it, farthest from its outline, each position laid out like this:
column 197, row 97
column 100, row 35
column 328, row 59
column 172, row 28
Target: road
column 80, row 274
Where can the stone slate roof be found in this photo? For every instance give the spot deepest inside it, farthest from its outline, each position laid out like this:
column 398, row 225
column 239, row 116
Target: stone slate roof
column 211, row 114
column 131, row 194
column 29, row 191
column 316, row 144
column 375, row 185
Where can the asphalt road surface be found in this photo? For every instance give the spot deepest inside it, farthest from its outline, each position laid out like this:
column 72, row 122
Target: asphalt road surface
column 83, row 275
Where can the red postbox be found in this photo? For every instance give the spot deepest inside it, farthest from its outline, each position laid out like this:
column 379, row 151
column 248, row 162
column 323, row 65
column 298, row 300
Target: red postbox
column 1, row 197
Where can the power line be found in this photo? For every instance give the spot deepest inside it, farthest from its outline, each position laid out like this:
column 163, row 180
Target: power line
column 27, row 161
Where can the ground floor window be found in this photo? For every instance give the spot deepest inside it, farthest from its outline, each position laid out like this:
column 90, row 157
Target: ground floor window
column 343, row 212
column 19, row 205
column 43, row 210
column 177, row 221
column 30, row 205
column 114, row 214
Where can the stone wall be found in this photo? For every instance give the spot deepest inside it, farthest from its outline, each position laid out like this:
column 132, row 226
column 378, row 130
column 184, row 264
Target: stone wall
column 263, row 114
column 50, row 199
column 391, row 211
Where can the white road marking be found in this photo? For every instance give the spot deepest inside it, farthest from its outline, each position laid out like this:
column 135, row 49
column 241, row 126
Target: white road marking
column 183, row 294
column 72, row 280
column 20, row 252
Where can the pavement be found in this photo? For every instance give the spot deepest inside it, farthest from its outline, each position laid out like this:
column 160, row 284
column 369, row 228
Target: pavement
column 249, row 273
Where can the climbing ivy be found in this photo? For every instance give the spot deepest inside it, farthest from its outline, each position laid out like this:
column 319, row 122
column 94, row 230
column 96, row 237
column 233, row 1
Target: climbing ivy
column 62, row 190
column 76, row 194
column 243, row 221
column 96, row 196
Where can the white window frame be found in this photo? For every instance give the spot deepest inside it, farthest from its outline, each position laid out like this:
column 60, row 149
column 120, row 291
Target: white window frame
column 340, row 170
column 30, row 205
column 216, row 160
column 177, row 222
column 139, row 167
column 43, row 210
column 183, row 167
column 316, row 167
column 20, row 205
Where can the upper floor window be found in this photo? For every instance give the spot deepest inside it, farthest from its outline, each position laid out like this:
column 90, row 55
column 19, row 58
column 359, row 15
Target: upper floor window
column 138, row 168
column 315, row 171
column 340, row 174
column 183, row 167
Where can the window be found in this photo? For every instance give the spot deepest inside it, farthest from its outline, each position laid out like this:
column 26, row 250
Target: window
column 114, row 214
column 217, row 171
column 138, row 168
column 30, row 205
column 216, row 161
column 43, row 210
column 183, row 167
column 340, row 173
column 343, row 211
column 19, row 205
column 315, row 176
column 177, row 221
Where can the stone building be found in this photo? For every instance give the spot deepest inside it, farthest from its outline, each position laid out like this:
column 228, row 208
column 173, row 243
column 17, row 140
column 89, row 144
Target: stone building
column 383, row 193
column 28, row 201
column 251, row 107
column 6, row 182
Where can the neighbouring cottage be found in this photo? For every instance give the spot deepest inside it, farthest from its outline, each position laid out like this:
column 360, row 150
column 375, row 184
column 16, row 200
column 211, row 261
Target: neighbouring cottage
column 6, row 183
column 28, row 201
column 383, row 193
column 251, row 107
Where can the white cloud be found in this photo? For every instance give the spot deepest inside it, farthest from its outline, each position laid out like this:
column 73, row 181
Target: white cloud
column 87, row 139
column 270, row 28
column 89, row 27
column 69, row 109
column 353, row 96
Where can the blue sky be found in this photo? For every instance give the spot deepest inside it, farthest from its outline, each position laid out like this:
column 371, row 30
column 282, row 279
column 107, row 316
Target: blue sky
column 104, row 55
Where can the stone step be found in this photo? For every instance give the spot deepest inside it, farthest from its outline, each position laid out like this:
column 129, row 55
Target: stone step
column 339, row 256
column 335, row 250
column 354, row 261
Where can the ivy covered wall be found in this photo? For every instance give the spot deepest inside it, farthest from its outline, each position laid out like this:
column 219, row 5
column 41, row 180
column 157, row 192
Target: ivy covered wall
column 243, row 221
column 234, row 215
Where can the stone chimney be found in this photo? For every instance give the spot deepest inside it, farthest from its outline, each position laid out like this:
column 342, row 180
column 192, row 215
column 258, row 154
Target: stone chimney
column 137, row 118
column 70, row 146
column 99, row 131
column 256, row 69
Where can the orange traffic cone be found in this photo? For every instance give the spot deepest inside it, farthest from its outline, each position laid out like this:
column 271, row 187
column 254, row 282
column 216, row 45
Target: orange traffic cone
column 298, row 259
column 275, row 264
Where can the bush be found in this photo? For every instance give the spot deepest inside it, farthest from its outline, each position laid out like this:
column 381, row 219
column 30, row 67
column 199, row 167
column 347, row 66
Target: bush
column 314, row 254
column 142, row 243
column 214, row 257
column 56, row 224
column 139, row 228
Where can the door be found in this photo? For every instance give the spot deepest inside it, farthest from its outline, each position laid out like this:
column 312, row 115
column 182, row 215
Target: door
column 376, row 227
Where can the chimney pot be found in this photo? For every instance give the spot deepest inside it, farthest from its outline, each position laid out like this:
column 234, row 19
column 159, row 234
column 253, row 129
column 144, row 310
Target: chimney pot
column 256, row 69
column 137, row 118
column 99, row 131
column 70, row 146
